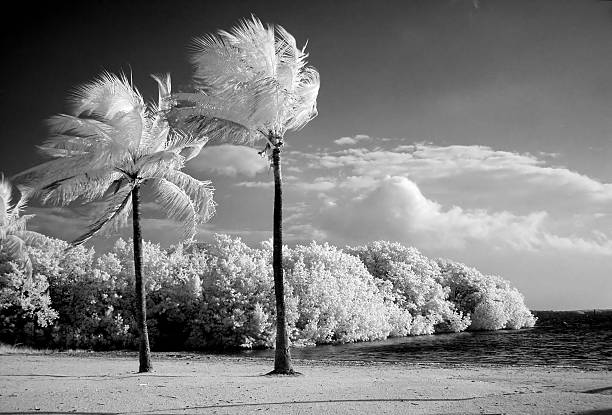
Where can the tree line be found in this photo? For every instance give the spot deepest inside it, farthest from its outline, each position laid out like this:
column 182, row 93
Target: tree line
column 220, row 295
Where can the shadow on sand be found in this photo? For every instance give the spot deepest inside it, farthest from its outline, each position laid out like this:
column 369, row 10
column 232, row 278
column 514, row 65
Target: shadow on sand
column 247, row 405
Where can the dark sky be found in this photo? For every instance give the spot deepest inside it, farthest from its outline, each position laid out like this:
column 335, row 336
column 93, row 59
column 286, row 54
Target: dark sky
column 390, row 68
column 511, row 101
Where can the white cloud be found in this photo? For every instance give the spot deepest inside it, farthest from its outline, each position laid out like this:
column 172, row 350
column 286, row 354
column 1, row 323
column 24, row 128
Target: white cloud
column 493, row 177
column 319, row 184
column 476, row 196
column 229, row 160
column 395, row 208
column 349, row 141
column 598, row 245
column 345, row 141
column 256, row 185
column 438, row 162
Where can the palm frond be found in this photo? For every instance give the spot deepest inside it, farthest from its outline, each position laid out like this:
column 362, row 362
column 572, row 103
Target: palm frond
column 115, row 215
column 303, row 107
column 154, row 165
column 31, row 237
column 52, row 170
column 154, row 135
column 6, row 190
column 88, row 137
column 88, row 186
column 156, row 131
column 16, row 224
column 255, row 43
column 177, row 204
column 12, row 225
column 241, row 112
column 291, row 60
column 107, row 96
column 178, row 148
column 217, row 130
column 164, row 85
column 200, row 192
column 244, row 53
column 117, row 102
column 213, row 58
column 80, row 131
column 5, row 200
column 179, row 140
column 25, row 193
column 15, row 248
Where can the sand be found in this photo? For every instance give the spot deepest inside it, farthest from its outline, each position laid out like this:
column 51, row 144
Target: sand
column 97, row 383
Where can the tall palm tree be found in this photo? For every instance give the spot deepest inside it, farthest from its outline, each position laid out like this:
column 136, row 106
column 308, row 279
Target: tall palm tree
column 109, row 147
column 252, row 83
column 13, row 233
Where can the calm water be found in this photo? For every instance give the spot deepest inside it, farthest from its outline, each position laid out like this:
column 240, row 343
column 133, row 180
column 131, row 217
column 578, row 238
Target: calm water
column 576, row 340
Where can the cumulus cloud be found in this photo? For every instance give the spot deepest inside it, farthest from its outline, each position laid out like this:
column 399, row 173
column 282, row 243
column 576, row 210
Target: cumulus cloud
column 395, row 208
column 319, row 184
column 350, row 141
column 473, row 174
column 256, row 185
column 229, row 160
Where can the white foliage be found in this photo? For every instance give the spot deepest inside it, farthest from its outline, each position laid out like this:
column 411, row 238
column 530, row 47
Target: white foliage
column 14, row 237
column 249, row 80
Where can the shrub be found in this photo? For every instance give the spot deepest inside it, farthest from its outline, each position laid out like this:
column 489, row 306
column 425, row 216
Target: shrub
column 173, row 286
column 492, row 302
column 87, row 298
column 338, row 301
column 25, row 306
column 415, row 286
column 236, row 308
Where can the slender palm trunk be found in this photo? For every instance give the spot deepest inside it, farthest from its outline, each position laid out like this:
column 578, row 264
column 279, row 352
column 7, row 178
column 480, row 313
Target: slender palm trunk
column 282, row 359
column 141, row 300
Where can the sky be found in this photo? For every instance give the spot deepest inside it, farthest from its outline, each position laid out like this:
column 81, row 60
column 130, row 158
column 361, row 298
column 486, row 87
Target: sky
column 479, row 131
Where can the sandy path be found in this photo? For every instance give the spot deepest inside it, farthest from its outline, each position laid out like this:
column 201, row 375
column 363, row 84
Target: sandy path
column 98, row 383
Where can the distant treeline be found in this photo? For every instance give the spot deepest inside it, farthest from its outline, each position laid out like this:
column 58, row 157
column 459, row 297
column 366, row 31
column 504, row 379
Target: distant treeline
column 221, row 295
column 576, row 318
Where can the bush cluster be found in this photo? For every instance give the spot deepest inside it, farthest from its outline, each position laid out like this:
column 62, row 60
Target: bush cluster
column 221, row 295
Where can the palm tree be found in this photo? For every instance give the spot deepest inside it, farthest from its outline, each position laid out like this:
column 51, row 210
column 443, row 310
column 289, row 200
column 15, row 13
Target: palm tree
column 252, row 83
column 109, row 147
column 13, row 233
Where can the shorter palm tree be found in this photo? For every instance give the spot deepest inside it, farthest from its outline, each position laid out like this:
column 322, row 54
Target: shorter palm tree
column 110, row 147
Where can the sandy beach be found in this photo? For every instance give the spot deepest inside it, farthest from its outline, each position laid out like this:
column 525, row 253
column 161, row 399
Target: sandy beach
column 98, row 383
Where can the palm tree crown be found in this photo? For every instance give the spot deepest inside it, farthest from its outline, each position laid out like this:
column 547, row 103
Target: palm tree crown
column 111, row 144
column 250, row 80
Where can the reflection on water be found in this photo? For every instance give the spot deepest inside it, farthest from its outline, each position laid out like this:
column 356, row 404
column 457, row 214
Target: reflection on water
column 581, row 346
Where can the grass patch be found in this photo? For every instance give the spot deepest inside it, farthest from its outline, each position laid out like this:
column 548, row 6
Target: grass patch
column 19, row 349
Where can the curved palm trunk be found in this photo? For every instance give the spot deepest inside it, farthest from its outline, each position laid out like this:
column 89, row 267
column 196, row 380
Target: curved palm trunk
column 141, row 300
column 282, row 359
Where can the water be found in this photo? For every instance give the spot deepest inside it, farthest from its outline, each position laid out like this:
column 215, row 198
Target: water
column 560, row 339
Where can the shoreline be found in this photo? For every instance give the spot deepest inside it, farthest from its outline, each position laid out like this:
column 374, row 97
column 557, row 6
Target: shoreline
column 239, row 357
column 94, row 382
